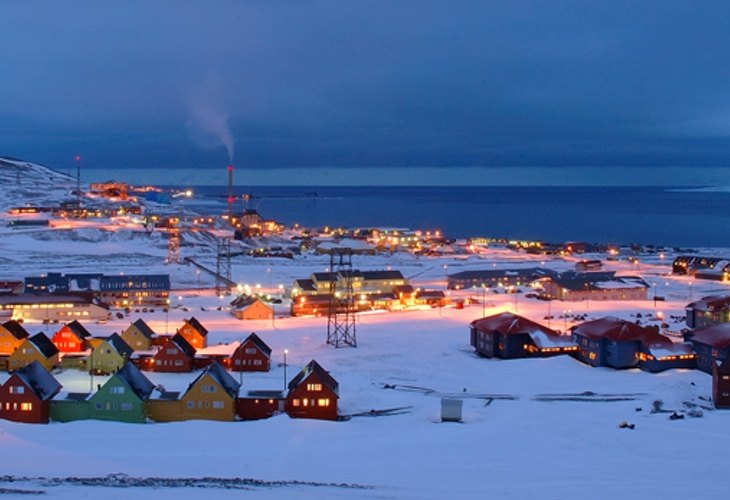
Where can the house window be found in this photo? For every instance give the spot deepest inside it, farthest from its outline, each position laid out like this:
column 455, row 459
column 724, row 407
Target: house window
column 178, row 362
column 126, row 406
column 190, row 405
column 295, row 402
column 158, row 362
column 257, row 362
column 98, row 406
column 26, row 406
column 117, row 390
column 171, row 350
column 208, row 388
column 323, row 402
column 17, row 389
column 237, row 362
column 314, row 387
column 250, row 350
column 218, row 405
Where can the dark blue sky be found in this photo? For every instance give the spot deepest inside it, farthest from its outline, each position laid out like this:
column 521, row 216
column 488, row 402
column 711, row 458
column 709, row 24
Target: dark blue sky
column 366, row 84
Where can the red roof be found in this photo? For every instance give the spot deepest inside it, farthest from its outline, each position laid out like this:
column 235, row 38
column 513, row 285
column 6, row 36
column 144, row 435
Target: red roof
column 507, row 323
column 717, row 336
column 619, row 330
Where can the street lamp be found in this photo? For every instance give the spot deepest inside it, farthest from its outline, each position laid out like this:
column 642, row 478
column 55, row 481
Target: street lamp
column 286, row 351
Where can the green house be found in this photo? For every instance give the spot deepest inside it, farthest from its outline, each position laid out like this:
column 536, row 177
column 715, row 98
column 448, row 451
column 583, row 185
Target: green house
column 123, row 397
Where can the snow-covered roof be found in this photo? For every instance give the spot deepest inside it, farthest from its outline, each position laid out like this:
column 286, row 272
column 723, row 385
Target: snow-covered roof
column 39, row 380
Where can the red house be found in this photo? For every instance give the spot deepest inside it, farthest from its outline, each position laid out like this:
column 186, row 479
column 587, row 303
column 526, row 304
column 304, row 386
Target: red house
column 26, row 395
column 256, row 405
column 721, row 384
column 253, row 355
column 71, row 337
column 195, row 333
column 313, row 393
column 177, row 355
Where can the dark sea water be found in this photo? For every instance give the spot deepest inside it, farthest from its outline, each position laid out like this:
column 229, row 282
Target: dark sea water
column 648, row 215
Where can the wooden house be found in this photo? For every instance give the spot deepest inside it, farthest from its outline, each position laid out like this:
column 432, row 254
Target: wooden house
column 721, row 383
column 109, row 355
column 12, row 335
column 138, row 335
column 194, row 332
column 177, row 355
column 256, row 405
column 71, row 337
column 251, row 308
column 211, row 396
column 708, row 311
column 26, row 395
column 313, row 393
column 711, row 344
column 252, row 355
column 36, row 348
column 123, row 397
column 507, row 336
column 618, row 343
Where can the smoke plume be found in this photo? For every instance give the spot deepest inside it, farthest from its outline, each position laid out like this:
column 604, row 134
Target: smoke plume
column 209, row 128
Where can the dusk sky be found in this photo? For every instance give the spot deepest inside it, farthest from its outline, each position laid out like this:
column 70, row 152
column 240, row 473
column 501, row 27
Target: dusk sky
column 424, row 89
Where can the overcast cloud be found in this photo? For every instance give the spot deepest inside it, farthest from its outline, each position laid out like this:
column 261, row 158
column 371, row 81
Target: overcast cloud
column 367, row 84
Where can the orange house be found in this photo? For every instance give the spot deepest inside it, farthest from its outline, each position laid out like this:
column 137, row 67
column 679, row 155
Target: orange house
column 36, row 348
column 71, row 337
column 12, row 335
column 313, row 393
column 195, row 333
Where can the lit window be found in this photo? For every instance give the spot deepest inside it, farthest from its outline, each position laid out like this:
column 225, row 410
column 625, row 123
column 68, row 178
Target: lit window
column 323, row 402
column 26, row 406
column 314, row 387
column 17, row 389
column 295, row 402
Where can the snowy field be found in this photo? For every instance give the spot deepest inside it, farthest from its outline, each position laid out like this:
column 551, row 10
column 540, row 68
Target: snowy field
column 519, row 447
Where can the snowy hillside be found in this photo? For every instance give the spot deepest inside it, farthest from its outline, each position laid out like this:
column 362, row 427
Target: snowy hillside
column 23, row 182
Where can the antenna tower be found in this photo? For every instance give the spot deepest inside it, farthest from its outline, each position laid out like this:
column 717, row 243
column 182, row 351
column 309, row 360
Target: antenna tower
column 223, row 267
column 341, row 314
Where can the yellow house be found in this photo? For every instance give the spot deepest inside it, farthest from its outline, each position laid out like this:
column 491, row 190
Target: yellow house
column 108, row 354
column 211, row 396
column 36, row 348
column 138, row 335
column 12, row 335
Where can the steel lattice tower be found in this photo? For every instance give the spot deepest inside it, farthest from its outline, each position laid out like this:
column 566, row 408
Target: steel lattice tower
column 223, row 267
column 173, row 243
column 341, row 314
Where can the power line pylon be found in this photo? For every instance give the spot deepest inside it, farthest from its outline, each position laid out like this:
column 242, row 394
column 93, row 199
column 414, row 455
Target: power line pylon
column 223, row 267
column 341, row 313
column 173, row 241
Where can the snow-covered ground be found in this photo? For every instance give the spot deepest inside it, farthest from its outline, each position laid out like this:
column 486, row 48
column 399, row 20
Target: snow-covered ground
column 517, row 447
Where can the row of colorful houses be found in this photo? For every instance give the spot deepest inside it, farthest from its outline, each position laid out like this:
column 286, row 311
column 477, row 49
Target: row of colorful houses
column 72, row 346
column 31, row 394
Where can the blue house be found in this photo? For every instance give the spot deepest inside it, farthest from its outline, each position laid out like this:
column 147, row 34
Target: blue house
column 711, row 344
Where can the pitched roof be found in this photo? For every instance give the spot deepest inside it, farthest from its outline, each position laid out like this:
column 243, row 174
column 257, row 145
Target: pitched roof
column 220, row 375
column 15, row 329
column 306, row 284
column 711, row 303
column 143, row 328
column 322, row 374
column 136, row 380
column 619, row 330
column 507, row 323
column 78, row 329
column 39, row 380
column 258, row 342
column 717, row 336
column 197, row 325
column 382, row 275
column 183, row 344
column 576, row 281
column 119, row 345
column 44, row 344
column 490, row 274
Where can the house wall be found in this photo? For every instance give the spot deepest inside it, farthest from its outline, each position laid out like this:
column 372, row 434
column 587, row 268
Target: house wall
column 8, row 342
column 193, row 337
column 306, row 402
column 105, row 358
column 621, row 354
column 256, row 409
column 67, row 411
column 26, row 354
column 257, row 310
column 206, row 400
column 117, row 401
column 26, row 407
column 161, row 410
column 589, row 351
column 656, row 365
column 486, row 344
column 706, row 355
column 66, row 341
column 172, row 360
column 249, row 358
column 721, row 387
column 135, row 339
